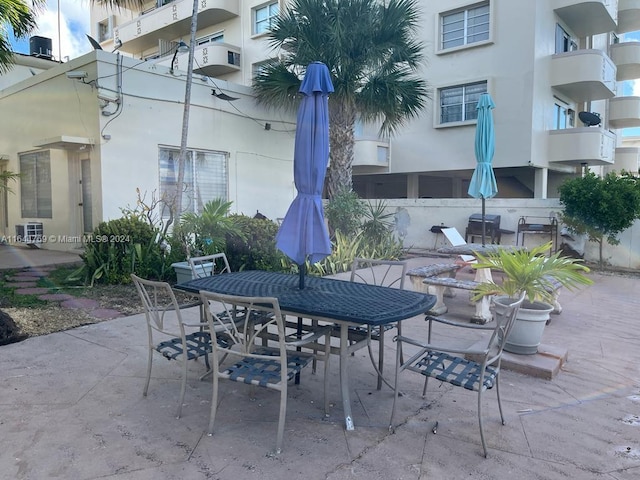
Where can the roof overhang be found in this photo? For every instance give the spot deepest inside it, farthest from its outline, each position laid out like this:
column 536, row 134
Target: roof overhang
column 65, row 142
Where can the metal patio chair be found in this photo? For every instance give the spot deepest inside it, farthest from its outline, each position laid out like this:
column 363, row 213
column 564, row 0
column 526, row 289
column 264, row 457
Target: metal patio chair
column 271, row 367
column 169, row 334
column 476, row 369
column 386, row 273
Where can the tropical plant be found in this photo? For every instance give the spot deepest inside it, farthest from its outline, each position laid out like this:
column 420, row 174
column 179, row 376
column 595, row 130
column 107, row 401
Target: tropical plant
column 377, row 227
column 371, row 50
column 256, row 248
column 344, row 212
column 530, row 271
column 5, row 178
column 206, row 233
column 601, row 207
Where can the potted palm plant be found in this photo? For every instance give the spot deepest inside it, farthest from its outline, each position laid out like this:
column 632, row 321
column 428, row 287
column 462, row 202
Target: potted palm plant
column 538, row 275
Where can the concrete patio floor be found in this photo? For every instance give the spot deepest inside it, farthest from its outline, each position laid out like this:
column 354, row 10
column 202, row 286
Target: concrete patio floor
column 71, row 407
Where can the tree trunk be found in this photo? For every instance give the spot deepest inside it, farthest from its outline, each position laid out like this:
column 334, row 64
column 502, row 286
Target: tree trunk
column 342, row 118
column 182, row 159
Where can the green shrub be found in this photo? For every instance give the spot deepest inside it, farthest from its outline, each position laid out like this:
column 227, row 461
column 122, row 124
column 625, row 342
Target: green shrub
column 255, row 248
column 120, row 247
column 344, row 213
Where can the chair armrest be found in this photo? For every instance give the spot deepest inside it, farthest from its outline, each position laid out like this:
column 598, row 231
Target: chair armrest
column 427, row 347
column 309, row 337
column 453, row 323
column 189, row 305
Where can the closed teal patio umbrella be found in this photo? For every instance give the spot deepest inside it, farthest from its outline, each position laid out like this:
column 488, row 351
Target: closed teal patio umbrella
column 483, row 181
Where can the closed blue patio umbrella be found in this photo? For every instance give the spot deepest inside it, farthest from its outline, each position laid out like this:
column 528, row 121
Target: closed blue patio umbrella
column 483, row 181
column 303, row 234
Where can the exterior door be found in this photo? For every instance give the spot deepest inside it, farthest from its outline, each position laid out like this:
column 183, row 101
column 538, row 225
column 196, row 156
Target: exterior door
column 85, row 192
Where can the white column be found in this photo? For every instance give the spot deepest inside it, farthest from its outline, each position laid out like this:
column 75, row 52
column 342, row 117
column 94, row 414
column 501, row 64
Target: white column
column 541, row 181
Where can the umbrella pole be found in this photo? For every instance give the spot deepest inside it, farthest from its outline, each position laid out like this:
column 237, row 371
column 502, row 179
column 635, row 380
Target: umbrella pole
column 301, row 272
column 483, row 225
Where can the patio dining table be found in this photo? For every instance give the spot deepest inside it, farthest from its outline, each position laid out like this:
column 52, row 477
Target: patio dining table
column 340, row 302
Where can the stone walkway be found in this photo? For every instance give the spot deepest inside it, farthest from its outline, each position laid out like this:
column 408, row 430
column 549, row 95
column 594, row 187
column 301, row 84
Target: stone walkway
column 25, row 281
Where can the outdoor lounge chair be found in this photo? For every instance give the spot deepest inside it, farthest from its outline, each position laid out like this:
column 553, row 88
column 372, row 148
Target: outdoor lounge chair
column 476, row 369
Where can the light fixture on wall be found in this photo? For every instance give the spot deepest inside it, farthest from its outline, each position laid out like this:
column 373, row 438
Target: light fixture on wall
column 77, row 74
column 182, row 48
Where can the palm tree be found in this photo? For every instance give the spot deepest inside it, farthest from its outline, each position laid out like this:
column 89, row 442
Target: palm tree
column 370, row 49
column 21, row 17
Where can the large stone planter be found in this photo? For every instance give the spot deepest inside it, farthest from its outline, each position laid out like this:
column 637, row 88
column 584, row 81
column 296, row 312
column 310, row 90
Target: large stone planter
column 526, row 334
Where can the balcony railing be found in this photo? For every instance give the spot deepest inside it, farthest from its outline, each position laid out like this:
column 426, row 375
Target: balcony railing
column 588, row 17
column 628, row 16
column 172, row 20
column 368, row 153
column 624, row 112
column 211, row 59
column 628, row 159
column 626, row 57
column 584, row 75
column 576, row 146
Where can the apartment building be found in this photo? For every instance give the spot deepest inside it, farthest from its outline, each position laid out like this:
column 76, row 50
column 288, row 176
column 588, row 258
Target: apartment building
column 544, row 62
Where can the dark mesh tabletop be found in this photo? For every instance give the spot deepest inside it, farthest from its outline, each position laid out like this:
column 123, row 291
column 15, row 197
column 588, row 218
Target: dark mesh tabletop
column 321, row 297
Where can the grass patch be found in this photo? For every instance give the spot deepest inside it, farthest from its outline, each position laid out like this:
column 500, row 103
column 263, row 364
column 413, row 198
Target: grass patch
column 56, row 281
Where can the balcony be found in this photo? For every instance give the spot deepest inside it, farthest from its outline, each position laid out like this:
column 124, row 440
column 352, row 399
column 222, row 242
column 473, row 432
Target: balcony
column 626, row 57
column 172, row 20
column 576, row 146
column 627, row 159
column 212, row 59
column 628, row 16
column 624, row 112
column 584, row 75
column 371, row 155
column 588, row 17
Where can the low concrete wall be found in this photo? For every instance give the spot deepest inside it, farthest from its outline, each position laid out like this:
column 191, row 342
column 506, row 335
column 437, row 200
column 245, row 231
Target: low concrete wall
column 415, row 217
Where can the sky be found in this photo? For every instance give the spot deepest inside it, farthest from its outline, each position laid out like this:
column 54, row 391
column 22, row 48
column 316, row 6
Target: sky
column 74, row 24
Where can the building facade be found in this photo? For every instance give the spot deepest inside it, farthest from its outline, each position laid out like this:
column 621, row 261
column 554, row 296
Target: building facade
column 92, row 136
column 544, row 62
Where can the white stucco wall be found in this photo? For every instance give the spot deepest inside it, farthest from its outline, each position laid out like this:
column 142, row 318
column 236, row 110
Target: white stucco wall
column 422, row 214
column 123, row 147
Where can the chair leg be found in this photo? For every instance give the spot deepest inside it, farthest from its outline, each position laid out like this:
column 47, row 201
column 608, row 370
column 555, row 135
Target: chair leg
column 380, row 357
column 214, row 403
column 327, row 355
column 499, row 402
column 149, row 361
column 283, row 412
column 183, row 387
column 484, row 445
column 395, row 387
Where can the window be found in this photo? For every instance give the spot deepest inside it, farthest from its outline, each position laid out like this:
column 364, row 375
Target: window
column 35, row 185
column 105, row 29
column 463, row 27
column 205, row 178
column 458, row 104
column 563, row 116
column 564, row 43
column 216, row 37
column 264, row 17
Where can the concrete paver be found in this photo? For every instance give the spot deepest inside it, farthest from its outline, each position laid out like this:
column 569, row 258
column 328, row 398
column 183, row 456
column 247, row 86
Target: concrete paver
column 71, row 406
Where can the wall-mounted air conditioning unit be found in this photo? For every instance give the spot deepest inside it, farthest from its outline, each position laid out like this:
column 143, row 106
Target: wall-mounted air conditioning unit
column 30, row 233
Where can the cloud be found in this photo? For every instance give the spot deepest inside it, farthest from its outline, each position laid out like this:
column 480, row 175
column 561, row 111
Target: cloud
column 74, row 24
